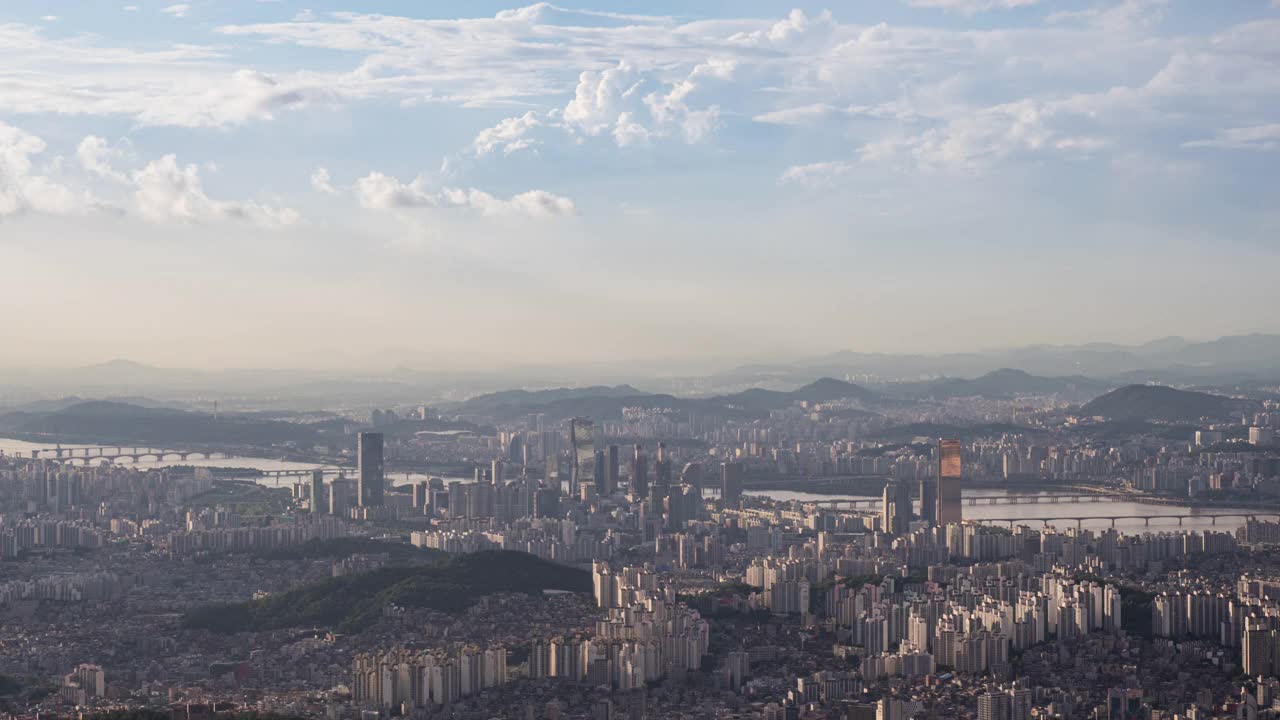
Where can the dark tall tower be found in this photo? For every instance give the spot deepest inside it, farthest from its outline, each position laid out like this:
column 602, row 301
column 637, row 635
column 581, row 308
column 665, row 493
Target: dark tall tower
column 662, row 469
column 640, row 473
column 731, row 474
column 317, row 492
column 369, row 460
column 601, row 474
column 611, row 470
column 949, row 473
column 929, row 499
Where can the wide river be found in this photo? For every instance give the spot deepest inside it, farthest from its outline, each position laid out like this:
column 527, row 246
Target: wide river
column 1143, row 514
column 1097, row 512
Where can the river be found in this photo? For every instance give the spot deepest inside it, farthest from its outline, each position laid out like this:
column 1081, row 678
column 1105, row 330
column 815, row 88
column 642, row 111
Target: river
column 1030, row 513
column 23, row 448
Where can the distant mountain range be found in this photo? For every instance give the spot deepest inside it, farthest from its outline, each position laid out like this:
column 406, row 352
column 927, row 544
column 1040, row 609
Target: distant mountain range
column 1156, row 402
column 1074, row 372
column 1004, row 383
column 609, row 402
column 1171, row 359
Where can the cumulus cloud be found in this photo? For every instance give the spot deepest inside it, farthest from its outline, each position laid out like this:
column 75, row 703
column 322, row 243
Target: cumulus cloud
column 96, row 156
column 796, row 29
column 166, row 191
column 22, row 188
column 320, row 181
column 510, row 135
column 378, row 191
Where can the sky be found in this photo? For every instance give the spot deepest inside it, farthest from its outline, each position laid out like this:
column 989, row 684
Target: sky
column 446, row 184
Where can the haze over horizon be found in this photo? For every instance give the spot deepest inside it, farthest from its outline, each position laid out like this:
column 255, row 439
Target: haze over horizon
column 311, row 185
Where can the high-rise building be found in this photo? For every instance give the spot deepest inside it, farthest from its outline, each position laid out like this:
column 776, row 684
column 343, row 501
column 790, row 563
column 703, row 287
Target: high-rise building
column 994, row 705
column 369, row 462
column 896, row 507
column 582, row 438
column 929, row 499
column 316, row 500
column 640, row 473
column 949, row 474
column 662, row 469
column 692, row 475
column 731, row 476
column 611, row 470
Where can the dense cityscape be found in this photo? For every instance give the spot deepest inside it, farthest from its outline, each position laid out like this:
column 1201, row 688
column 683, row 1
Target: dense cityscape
column 827, row 553
column 639, row 360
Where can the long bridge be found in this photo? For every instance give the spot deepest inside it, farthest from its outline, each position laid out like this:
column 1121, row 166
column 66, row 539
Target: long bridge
column 113, row 453
column 1080, row 519
column 872, row 502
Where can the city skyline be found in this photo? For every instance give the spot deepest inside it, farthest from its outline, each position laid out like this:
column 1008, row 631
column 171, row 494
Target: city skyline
column 225, row 184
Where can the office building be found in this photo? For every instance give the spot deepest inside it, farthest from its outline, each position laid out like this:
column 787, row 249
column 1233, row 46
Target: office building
column 640, row 473
column 896, row 508
column 317, row 499
column 370, row 474
column 949, row 473
column 731, row 476
column 582, row 438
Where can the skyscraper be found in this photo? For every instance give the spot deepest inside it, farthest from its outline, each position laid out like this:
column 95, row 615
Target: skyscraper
column 731, row 475
column 369, row 462
column 662, row 469
column 949, row 473
column 582, row 438
column 640, row 473
column 317, row 492
column 612, row 470
column 929, row 499
column 896, row 507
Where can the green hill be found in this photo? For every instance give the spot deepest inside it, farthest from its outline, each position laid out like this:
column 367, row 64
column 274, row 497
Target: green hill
column 351, row 603
column 1157, row 402
column 107, row 422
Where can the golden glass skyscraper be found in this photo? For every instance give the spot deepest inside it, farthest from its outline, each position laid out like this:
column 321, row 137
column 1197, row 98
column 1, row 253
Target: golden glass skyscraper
column 949, row 473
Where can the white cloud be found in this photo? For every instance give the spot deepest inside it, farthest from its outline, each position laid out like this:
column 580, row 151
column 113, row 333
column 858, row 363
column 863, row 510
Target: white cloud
column 816, row 174
column 511, row 135
column 1257, row 137
column 49, row 18
column 130, row 8
column 22, row 188
column 378, row 191
column 601, row 97
column 178, row 10
column 383, row 192
column 534, row 203
column 96, row 155
column 166, row 191
column 796, row 29
column 628, row 132
column 321, row 182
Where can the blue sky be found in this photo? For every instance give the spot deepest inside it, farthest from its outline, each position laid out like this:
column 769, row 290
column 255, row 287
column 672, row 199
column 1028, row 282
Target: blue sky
column 446, row 184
